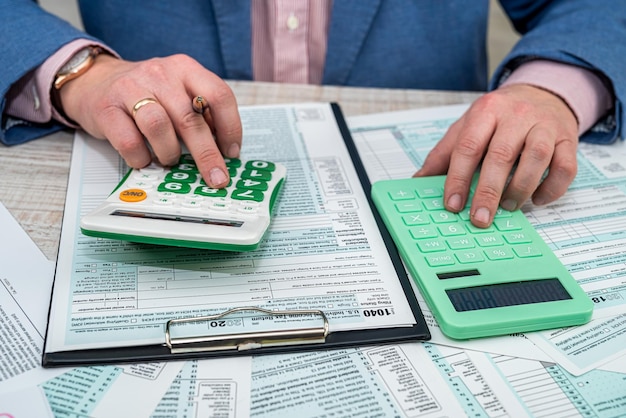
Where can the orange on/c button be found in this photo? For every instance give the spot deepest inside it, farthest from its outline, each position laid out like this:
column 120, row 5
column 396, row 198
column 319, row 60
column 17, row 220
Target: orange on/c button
column 133, row 195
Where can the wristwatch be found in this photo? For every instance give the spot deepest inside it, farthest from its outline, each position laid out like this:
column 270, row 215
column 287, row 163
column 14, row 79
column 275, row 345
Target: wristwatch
column 77, row 65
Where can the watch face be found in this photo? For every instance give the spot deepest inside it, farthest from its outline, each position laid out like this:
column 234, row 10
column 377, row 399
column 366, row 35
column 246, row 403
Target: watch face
column 76, row 60
column 77, row 65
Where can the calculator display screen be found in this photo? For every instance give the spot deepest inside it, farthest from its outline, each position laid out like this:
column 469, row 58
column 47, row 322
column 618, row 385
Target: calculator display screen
column 507, row 294
column 177, row 218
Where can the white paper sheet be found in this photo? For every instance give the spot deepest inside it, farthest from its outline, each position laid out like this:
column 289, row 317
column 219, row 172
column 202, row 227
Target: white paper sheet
column 206, row 388
column 394, row 380
column 25, row 284
column 25, row 403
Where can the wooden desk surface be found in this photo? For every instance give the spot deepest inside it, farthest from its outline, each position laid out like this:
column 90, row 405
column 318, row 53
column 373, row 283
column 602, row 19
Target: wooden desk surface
column 34, row 175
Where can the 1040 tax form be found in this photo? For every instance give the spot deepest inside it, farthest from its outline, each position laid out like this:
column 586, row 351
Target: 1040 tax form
column 324, row 251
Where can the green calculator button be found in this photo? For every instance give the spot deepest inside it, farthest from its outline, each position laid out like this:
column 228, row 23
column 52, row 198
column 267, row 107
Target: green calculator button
column 460, row 243
column 465, row 214
column 232, row 171
column 476, row 230
column 255, row 174
column 408, row 206
column 232, row 162
column 452, row 229
column 517, row 238
column 210, row 192
column 415, row 219
column 431, row 245
column 429, row 192
column 526, row 251
column 260, row 165
column 174, row 187
column 203, row 183
column 499, row 253
column 507, row 224
column 185, row 168
column 439, row 260
column 247, row 194
column 433, row 204
column 443, row 216
column 422, row 232
column 186, row 158
column 469, row 256
column 401, row 194
column 181, row 177
column 501, row 213
column 489, row 240
column 251, row 184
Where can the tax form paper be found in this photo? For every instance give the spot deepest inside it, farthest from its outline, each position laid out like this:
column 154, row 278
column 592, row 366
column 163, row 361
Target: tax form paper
column 326, row 274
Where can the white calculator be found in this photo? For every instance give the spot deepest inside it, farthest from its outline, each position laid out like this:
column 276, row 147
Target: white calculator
column 174, row 206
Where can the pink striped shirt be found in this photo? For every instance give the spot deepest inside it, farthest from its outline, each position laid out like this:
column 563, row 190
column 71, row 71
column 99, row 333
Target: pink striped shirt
column 289, row 39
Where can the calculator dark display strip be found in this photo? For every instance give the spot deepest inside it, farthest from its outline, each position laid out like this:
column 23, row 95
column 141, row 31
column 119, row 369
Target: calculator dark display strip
column 507, row 294
column 457, row 274
column 177, row 218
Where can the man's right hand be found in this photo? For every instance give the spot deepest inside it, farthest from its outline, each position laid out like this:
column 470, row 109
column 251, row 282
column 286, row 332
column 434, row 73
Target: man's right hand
column 102, row 100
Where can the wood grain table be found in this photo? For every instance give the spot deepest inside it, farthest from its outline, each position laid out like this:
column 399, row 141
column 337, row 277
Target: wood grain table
column 33, row 176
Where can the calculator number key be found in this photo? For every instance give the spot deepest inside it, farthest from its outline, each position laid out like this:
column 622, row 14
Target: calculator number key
column 187, row 167
column 209, row 191
column 258, row 175
column 451, row 229
column 442, row 216
column 254, row 181
column 174, row 187
column 247, row 194
column 252, row 184
column 181, row 177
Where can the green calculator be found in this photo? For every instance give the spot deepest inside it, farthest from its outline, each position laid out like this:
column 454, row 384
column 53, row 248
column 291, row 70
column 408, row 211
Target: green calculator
column 478, row 282
column 174, row 206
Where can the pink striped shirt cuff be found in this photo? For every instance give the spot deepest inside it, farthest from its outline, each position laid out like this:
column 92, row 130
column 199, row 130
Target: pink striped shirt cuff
column 581, row 89
column 29, row 98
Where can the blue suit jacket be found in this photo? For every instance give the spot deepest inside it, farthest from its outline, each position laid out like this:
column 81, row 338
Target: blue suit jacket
column 424, row 44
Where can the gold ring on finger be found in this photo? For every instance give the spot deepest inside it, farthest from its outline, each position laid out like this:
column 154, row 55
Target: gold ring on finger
column 141, row 103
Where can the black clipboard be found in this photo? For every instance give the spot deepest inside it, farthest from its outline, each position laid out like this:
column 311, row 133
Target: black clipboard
column 271, row 342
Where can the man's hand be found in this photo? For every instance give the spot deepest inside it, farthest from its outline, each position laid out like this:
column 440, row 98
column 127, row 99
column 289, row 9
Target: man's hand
column 515, row 124
column 101, row 101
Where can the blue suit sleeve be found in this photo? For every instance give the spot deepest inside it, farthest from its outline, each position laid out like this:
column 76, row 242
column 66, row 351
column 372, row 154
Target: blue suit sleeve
column 586, row 33
column 28, row 36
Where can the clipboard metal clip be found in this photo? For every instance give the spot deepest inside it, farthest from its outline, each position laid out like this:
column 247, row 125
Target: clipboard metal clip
column 246, row 340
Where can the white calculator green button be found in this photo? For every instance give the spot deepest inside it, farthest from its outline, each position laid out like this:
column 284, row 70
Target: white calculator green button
column 478, row 282
column 174, row 206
